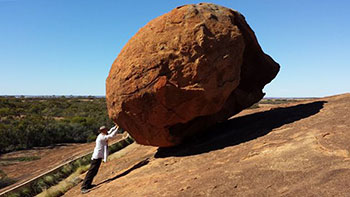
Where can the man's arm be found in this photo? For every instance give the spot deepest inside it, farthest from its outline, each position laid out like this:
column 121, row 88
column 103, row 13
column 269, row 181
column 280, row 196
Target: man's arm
column 112, row 129
column 111, row 133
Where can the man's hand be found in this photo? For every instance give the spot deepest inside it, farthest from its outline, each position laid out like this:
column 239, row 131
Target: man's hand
column 116, row 127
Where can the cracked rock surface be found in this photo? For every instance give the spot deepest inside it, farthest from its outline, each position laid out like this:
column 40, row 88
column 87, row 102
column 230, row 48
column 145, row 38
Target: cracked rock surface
column 185, row 71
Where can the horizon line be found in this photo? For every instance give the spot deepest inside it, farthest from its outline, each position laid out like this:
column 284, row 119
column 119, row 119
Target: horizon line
column 103, row 96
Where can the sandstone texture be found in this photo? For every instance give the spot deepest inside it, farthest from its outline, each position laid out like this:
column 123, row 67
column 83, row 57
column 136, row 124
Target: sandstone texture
column 184, row 71
column 296, row 149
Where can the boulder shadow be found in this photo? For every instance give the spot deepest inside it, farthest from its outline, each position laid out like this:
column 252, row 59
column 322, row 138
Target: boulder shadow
column 241, row 129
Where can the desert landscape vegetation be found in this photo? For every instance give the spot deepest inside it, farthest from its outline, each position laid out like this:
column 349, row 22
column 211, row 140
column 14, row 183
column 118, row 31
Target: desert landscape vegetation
column 295, row 147
column 39, row 134
column 194, row 104
column 43, row 121
column 20, row 166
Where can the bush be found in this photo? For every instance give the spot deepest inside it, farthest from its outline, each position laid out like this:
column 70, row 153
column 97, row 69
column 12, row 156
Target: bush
column 91, row 137
column 58, row 176
column 30, row 122
column 67, row 169
column 49, row 180
column 14, row 194
column 26, row 192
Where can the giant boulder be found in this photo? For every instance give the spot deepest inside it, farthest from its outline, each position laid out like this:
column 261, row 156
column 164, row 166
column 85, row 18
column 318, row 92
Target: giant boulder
column 185, row 71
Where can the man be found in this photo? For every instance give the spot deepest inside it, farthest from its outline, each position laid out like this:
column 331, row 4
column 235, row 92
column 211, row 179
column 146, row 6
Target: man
column 100, row 152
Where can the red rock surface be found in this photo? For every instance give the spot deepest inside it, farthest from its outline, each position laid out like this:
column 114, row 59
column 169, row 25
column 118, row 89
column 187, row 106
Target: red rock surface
column 296, row 149
column 184, row 71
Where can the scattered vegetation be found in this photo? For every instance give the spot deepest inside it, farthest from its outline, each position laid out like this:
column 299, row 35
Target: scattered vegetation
column 278, row 101
column 64, row 185
column 51, row 179
column 273, row 101
column 120, row 145
column 255, row 105
column 61, row 180
column 11, row 160
column 14, row 159
column 44, row 121
column 5, row 180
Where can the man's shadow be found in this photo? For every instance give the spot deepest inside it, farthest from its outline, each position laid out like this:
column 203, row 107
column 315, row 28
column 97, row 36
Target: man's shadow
column 134, row 167
column 241, row 129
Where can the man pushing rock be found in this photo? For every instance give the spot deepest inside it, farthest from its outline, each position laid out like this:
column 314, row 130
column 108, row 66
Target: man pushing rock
column 100, row 153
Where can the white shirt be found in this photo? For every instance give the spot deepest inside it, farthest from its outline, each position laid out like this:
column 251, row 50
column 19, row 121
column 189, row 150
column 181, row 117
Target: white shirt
column 101, row 148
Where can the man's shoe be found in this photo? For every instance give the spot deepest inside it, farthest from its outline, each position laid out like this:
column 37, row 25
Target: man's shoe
column 92, row 186
column 84, row 191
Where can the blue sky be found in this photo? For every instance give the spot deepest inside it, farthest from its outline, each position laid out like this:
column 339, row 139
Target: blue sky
column 66, row 47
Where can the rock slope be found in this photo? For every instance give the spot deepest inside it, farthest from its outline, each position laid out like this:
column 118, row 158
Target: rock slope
column 297, row 149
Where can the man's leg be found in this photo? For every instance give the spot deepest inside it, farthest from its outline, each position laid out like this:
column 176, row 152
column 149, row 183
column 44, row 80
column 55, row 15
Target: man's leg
column 95, row 164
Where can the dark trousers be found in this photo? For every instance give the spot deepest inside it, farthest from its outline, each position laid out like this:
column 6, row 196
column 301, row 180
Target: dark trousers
column 95, row 165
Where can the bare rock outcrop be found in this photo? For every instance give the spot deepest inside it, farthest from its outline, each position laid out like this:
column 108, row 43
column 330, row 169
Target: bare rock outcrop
column 184, row 71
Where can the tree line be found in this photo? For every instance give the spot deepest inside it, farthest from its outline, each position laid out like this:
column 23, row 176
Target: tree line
column 42, row 121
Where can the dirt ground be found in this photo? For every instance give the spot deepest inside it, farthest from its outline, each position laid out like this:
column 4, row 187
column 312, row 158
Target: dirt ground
column 50, row 157
column 296, row 149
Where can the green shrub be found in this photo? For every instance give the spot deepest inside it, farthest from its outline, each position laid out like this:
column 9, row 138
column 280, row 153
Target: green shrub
column 49, row 180
column 58, row 176
column 77, row 163
column 14, row 194
column 40, row 185
column 31, row 122
column 91, row 137
column 26, row 191
column 86, row 160
column 67, row 169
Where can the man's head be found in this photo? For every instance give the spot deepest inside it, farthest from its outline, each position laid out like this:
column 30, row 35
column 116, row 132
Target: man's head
column 103, row 130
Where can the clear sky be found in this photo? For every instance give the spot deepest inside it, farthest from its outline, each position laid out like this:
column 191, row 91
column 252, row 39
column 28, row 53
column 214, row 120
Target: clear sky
column 66, row 47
